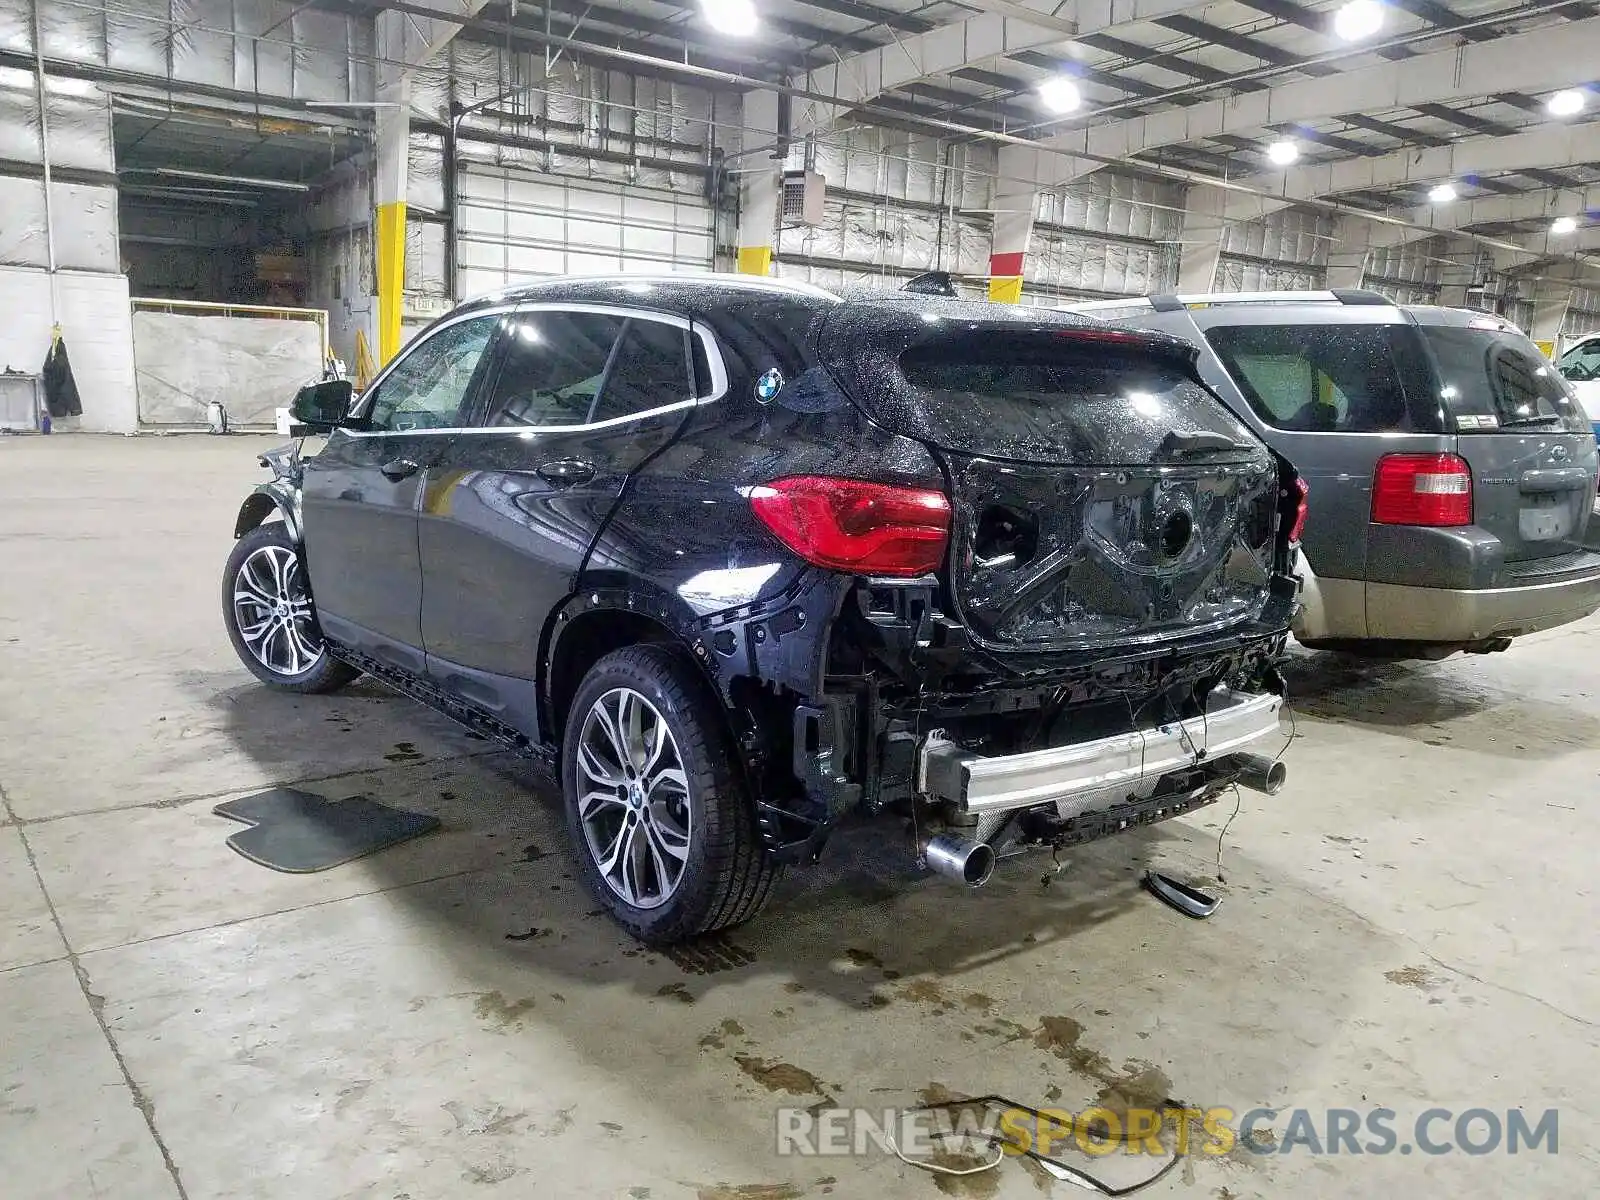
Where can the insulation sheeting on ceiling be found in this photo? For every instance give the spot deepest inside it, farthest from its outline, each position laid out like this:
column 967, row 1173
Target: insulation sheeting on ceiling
column 275, row 47
column 249, row 365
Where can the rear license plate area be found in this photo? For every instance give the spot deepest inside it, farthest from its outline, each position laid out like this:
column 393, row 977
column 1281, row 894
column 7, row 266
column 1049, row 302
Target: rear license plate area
column 1545, row 516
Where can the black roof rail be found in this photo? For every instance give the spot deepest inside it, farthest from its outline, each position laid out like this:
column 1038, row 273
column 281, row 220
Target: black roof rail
column 1166, row 303
column 1360, row 296
column 931, row 283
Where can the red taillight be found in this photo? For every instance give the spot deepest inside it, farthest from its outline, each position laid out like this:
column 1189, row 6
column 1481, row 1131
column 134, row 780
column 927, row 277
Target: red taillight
column 1301, row 508
column 1422, row 489
column 852, row 525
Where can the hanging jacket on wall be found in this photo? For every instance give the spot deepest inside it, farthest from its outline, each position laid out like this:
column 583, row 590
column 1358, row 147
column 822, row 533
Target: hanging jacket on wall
column 60, row 389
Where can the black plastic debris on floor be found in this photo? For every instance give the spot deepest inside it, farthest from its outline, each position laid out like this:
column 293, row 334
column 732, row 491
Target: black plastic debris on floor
column 299, row 832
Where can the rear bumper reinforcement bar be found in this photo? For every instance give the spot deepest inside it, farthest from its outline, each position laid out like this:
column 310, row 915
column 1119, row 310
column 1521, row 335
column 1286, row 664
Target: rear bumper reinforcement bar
column 1107, row 767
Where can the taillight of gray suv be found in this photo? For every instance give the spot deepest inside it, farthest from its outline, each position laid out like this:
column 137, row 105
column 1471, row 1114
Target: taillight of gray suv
column 1452, row 472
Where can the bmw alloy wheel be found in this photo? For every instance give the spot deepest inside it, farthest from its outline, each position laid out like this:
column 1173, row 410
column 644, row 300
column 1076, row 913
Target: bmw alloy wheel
column 633, row 798
column 272, row 610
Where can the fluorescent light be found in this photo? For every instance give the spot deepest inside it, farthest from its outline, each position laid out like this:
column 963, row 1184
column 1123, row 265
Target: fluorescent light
column 1283, row 153
column 736, row 18
column 1060, row 95
column 1565, row 104
column 1564, row 225
column 1442, row 194
column 1358, row 20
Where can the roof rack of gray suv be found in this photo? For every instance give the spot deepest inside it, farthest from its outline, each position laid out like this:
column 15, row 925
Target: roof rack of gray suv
column 1167, row 302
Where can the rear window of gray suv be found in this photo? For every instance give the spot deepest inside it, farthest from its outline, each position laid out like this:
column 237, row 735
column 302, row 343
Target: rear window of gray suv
column 1331, row 378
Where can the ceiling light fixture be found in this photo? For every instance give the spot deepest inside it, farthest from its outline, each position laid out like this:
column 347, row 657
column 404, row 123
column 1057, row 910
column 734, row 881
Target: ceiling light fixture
column 1564, row 225
column 1358, row 20
column 1060, row 94
column 1565, row 104
column 736, row 18
column 1442, row 194
column 1283, row 153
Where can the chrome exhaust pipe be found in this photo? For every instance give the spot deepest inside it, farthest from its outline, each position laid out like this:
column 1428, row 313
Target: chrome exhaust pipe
column 1261, row 774
column 960, row 859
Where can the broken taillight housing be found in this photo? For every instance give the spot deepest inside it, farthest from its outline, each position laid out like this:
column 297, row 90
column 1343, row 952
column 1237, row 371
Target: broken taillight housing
column 852, row 525
column 1422, row 489
column 1302, row 506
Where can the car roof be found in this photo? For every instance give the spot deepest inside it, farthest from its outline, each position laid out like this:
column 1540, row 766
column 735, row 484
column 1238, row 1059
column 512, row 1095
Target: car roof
column 705, row 294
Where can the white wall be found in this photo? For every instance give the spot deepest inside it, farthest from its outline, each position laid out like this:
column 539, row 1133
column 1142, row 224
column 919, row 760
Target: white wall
column 97, row 328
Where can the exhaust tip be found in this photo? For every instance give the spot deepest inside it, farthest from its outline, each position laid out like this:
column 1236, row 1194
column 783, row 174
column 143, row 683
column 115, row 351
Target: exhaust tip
column 960, row 859
column 1261, row 774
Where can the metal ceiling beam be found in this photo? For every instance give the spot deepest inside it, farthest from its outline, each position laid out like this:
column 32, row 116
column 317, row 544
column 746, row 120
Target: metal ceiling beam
column 1463, row 214
column 992, row 34
column 1548, row 146
column 1528, row 60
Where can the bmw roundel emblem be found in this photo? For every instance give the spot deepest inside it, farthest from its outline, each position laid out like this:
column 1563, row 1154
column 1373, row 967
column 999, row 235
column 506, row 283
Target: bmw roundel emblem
column 769, row 385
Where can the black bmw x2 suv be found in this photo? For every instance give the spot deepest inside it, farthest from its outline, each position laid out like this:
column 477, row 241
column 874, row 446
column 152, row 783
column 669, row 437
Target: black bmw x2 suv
column 740, row 557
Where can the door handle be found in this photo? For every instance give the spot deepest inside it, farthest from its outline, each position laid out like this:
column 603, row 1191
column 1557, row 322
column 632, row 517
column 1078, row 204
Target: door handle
column 397, row 469
column 566, row 472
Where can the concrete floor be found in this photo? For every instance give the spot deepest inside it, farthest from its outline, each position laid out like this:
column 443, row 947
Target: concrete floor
column 1410, row 924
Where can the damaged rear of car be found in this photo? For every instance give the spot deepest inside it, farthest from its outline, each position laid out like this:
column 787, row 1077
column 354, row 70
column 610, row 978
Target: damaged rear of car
column 1053, row 604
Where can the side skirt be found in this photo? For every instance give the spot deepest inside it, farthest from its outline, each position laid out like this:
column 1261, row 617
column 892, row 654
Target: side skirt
column 475, row 720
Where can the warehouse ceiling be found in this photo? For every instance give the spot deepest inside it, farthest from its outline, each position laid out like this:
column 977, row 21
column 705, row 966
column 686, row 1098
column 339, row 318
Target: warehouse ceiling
column 1449, row 94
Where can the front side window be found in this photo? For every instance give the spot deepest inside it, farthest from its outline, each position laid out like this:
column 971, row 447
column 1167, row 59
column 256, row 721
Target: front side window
column 1329, row 378
column 428, row 388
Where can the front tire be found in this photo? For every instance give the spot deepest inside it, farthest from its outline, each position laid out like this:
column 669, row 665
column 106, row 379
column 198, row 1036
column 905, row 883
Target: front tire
column 659, row 815
column 266, row 606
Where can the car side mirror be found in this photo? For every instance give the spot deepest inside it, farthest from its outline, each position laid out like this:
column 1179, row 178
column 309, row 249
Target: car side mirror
column 324, row 406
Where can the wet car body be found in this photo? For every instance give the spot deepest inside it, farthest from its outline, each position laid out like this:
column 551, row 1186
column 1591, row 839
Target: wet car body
column 1085, row 594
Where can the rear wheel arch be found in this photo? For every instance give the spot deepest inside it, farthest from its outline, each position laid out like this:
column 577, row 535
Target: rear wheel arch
column 583, row 633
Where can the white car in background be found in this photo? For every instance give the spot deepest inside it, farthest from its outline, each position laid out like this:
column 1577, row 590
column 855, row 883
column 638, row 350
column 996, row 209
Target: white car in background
column 1580, row 366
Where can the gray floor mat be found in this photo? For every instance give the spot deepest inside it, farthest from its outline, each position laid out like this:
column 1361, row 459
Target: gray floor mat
column 296, row 831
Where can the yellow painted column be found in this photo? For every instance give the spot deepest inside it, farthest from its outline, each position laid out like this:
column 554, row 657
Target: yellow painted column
column 393, row 129
column 758, row 219
column 755, row 260
column 391, row 252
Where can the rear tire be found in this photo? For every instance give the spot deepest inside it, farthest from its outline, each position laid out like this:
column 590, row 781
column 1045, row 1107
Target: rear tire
column 658, row 811
column 266, row 606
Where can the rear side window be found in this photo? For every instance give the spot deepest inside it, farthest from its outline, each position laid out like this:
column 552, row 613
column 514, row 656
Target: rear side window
column 650, row 370
column 1498, row 379
column 1330, row 378
column 1042, row 396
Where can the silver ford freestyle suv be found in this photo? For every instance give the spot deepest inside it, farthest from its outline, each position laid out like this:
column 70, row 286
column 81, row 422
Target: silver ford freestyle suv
column 1452, row 471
